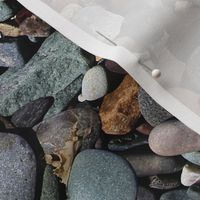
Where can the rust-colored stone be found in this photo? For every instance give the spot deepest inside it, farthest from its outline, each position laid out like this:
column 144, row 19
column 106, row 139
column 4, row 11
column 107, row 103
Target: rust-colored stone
column 120, row 110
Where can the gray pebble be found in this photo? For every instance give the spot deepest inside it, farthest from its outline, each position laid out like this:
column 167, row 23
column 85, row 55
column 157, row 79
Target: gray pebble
column 175, row 195
column 194, row 192
column 5, row 11
column 193, row 157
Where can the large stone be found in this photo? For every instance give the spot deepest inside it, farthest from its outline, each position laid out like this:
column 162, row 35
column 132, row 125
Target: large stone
column 194, row 192
column 175, row 195
column 18, row 168
column 193, row 157
column 5, row 11
column 173, row 138
column 55, row 70
column 149, row 164
column 120, row 110
column 98, row 175
column 153, row 113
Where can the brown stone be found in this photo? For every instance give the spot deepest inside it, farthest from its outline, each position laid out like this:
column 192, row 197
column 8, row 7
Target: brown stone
column 120, row 110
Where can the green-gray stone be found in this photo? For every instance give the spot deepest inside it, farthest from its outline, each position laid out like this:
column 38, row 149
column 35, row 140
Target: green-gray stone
column 175, row 195
column 50, row 187
column 5, row 11
column 55, row 70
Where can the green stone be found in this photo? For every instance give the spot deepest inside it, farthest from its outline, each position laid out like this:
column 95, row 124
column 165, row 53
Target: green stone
column 5, row 11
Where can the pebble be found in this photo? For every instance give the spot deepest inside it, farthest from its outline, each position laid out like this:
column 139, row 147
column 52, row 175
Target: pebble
column 190, row 175
column 32, row 113
column 94, row 84
column 5, row 123
column 193, row 157
column 145, row 194
column 55, row 70
column 173, row 138
column 194, row 192
column 120, row 110
column 175, row 195
column 114, row 67
column 18, row 168
column 146, row 163
column 98, row 175
column 5, row 11
column 153, row 113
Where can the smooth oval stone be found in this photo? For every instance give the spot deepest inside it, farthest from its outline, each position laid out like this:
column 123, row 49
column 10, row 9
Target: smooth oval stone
column 175, row 195
column 194, row 192
column 149, row 164
column 98, row 175
column 5, row 11
column 173, row 138
column 153, row 113
column 18, row 168
column 32, row 113
column 145, row 194
column 193, row 157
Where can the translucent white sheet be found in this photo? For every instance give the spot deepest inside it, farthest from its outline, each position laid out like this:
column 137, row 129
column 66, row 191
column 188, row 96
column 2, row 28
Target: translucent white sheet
column 162, row 34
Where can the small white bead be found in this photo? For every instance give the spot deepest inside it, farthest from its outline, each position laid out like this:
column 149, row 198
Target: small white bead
column 156, row 73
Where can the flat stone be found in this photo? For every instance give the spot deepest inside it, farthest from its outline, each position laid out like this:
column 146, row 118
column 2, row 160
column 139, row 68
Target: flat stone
column 55, row 70
column 32, row 113
column 173, row 138
column 145, row 194
column 175, row 195
column 120, row 110
column 18, row 168
column 50, row 186
column 147, row 163
column 153, row 113
column 193, row 157
column 98, row 175
column 5, row 11
column 194, row 192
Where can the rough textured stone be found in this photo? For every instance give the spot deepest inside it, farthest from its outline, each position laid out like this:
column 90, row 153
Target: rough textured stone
column 145, row 194
column 153, row 113
column 173, row 138
column 194, row 192
column 50, row 186
column 98, row 175
column 31, row 113
column 149, row 164
column 120, row 110
column 18, row 168
column 55, row 70
column 5, row 11
column 193, row 157
column 175, row 195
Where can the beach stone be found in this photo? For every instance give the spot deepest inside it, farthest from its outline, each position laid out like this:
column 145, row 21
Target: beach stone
column 98, row 175
column 146, row 163
column 32, row 113
column 153, row 113
column 193, row 157
column 194, row 192
column 175, row 195
column 173, row 138
column 5, row 11
column 18, row 168
column 120, row 110
column 55, row 70
column 50, row 186
column 145, row 194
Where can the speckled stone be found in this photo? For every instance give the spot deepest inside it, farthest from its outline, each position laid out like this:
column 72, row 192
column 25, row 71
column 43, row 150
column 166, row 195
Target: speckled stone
column 193, row 157
column 99, row 175
column 55, row 70
column 153, row 113
column 18, row 168
column 194, row 192
column 50, row 186
column 5, row 11
column 175, row 195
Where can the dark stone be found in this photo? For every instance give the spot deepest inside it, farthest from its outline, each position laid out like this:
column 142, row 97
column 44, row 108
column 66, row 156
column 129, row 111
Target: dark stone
column 194, row 192
column 145, row 194
column 175, row 195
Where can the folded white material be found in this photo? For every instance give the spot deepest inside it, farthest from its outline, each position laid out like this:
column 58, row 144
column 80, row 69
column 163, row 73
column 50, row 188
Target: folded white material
column 161, row 34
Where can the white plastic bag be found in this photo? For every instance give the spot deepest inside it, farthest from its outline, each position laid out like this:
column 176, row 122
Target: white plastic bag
column 160, row 34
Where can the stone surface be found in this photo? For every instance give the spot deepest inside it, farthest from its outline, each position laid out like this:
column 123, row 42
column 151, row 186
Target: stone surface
column 5, row 123
column 5, row 11
column 193, row 157
column 190, row 175
column 145, row 194
column 114, row 67
column 18, row 168
column 32, row 113
column 55, row 70
column 147, row 163
column 120, row 110
column 173, row 138
column 175, row 195
column 153, row 113
column 98, row 175
column 144, row 128
column 194, row 192
column 50, row 186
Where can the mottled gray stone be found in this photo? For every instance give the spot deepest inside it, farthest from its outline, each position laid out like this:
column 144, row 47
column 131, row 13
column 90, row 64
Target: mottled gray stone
column 153, row 113
column 50, row 186
column 31, row 113
column 194, row 192
column 149, row 164
column 175, row 195
column 193, row 157
column 55, row 70
column 145, row 194
column 5, row 11
column 101, row 175
column 18, row 168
